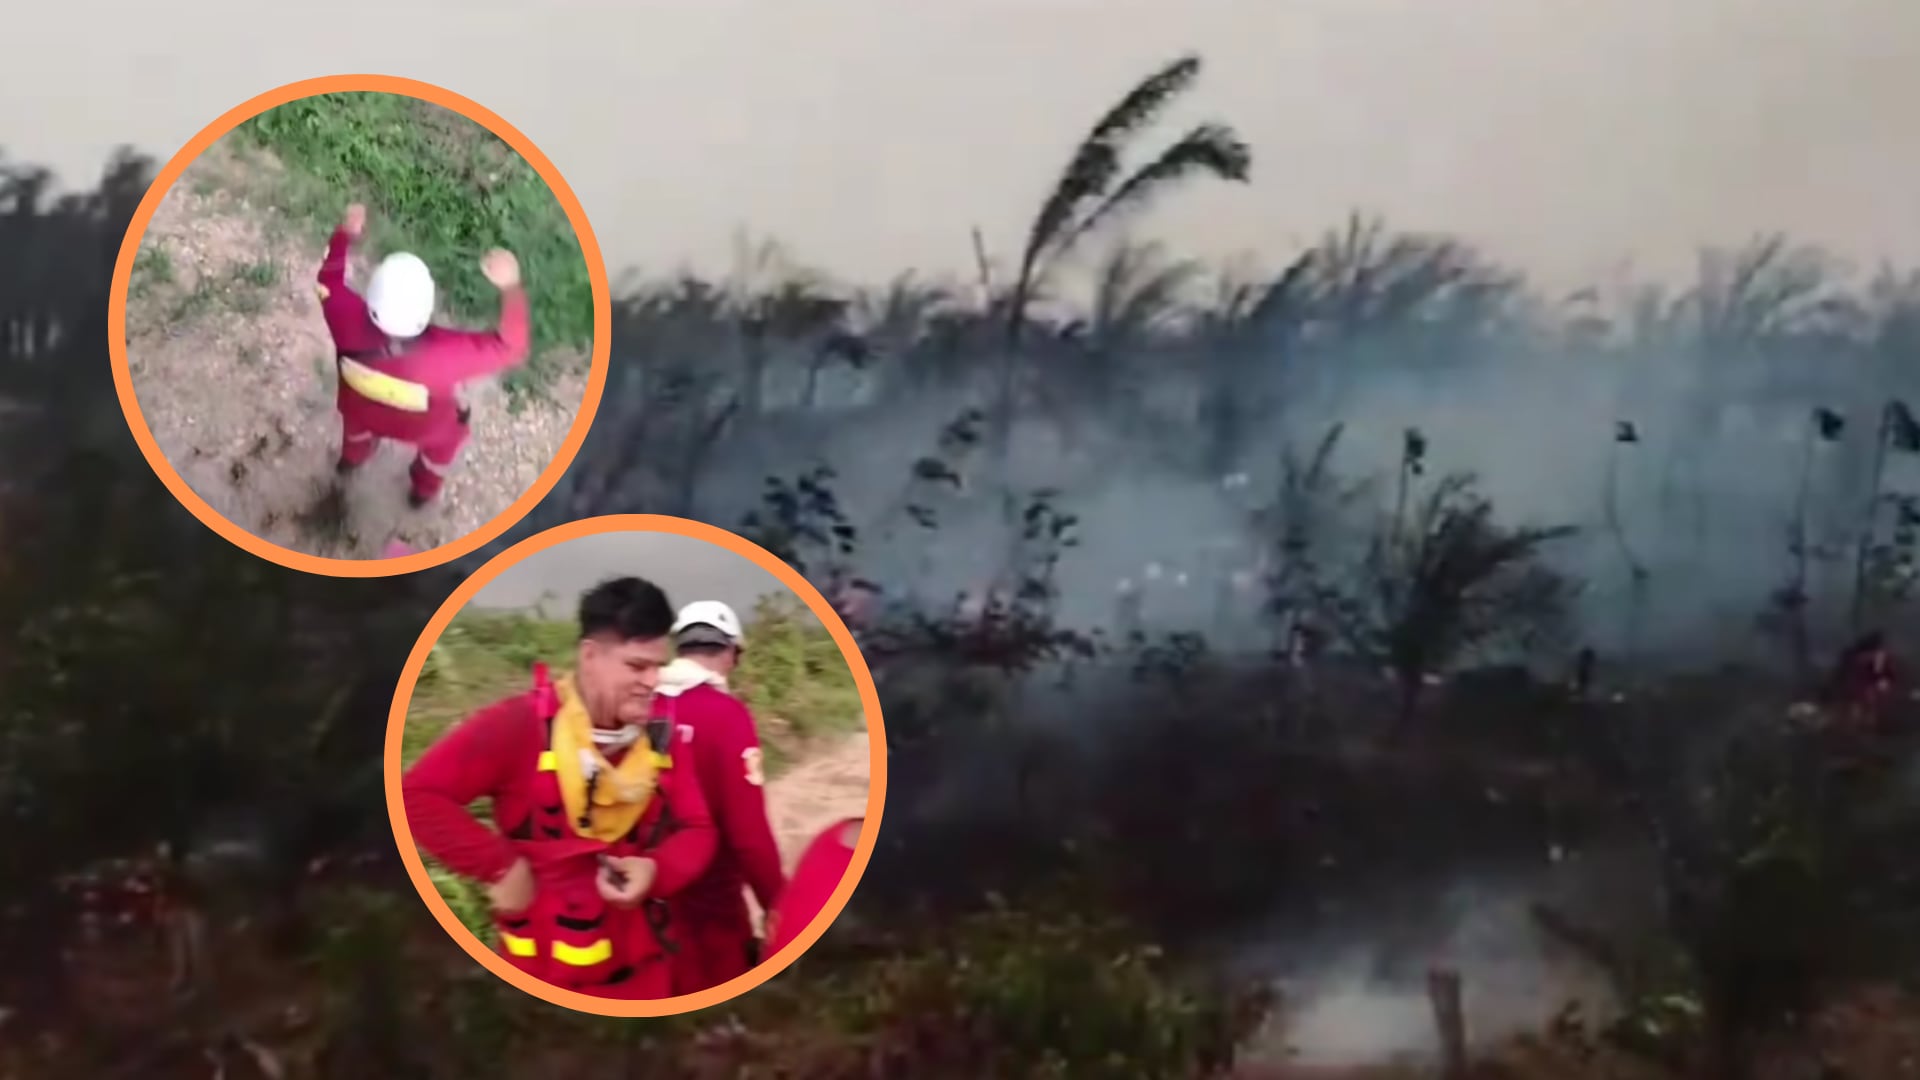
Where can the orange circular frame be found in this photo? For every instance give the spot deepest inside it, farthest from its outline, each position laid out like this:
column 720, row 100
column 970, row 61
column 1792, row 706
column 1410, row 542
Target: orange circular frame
column 876, row 782
column 589, row 399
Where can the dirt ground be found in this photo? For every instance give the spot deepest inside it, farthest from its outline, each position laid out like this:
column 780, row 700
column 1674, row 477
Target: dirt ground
column 823, row 788
column 818, row 791
column 235, row 376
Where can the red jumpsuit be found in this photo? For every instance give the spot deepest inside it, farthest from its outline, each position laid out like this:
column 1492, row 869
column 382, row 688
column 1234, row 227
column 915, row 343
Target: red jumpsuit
column 717, row 733
column 570, row 937
column 815, row 877
column 426, row 369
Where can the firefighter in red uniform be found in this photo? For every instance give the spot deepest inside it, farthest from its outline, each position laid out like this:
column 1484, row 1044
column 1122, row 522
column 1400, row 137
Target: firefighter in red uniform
column 718, row 737
column 818, row 873
column 599, row 822
column 399, row 374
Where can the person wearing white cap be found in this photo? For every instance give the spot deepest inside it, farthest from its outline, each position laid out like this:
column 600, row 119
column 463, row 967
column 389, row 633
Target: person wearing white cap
column 400, row 374
column 717, row 934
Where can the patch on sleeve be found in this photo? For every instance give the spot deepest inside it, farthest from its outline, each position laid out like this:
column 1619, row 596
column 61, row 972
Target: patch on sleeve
column 750, row 757
column 323, row 292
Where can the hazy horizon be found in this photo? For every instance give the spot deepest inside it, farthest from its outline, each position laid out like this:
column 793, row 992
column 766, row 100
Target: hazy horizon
column 686, row 568
column 869, row 136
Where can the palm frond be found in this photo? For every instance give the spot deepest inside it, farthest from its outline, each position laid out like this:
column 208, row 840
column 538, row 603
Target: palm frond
column 1138, row 289
column 1208, row 150
column 1096, row 161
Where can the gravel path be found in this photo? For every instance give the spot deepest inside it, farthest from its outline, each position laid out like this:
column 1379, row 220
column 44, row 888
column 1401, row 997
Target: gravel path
column 233, row 369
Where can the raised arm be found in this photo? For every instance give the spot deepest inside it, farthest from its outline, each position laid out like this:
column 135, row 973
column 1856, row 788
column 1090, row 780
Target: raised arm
column 458, row 356
column 333, row 271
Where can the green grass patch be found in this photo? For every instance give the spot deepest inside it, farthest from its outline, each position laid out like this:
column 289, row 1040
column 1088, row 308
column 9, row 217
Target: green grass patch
column 152, row 269
column 444, row 188
column 794, row 679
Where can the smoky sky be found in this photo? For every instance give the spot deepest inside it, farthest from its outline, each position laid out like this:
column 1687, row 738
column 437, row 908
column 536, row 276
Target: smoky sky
column 1576, row 140
column 686, row 568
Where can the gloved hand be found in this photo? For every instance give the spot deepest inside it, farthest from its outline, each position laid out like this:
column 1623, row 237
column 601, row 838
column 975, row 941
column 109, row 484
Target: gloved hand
column 502, row 269
column 625, row 881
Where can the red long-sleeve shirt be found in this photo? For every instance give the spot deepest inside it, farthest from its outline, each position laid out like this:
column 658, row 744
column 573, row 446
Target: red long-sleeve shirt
column 494, row 754
column 724, row 746
column 439, row 359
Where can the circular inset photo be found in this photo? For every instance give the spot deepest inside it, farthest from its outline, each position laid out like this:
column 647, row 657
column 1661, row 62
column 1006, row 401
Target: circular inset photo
column 359, row 325
column 636, row 765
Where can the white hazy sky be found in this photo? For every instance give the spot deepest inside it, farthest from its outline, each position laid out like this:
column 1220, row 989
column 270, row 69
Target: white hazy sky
column 869, row 135
column 687, row 569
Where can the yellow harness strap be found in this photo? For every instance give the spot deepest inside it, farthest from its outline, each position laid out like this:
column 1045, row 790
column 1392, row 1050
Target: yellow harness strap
column 609, row 807
column 386, row 389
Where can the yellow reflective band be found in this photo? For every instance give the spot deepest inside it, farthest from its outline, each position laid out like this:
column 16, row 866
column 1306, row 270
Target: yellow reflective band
column 519, row 946
column 575, row 956
column 383, row 388
column 660, row 761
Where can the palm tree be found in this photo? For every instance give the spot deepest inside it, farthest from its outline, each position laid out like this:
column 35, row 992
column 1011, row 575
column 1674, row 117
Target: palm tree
column 1249, row 323
column 1451, row 580
column 775, row 300
column 1368, row 281
column 895, row 323
column 1139, row 304
column 1139, row 292
column 1756, row 316
column 1092, row 192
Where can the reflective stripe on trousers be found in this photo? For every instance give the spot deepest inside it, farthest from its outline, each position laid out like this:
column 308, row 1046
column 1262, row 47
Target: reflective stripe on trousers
column 571, row 955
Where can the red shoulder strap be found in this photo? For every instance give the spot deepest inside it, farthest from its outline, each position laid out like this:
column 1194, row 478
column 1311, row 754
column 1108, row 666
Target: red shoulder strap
column 546, row 699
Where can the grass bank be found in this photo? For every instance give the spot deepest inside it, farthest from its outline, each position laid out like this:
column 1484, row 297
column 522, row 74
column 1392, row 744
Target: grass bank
column 445, row 188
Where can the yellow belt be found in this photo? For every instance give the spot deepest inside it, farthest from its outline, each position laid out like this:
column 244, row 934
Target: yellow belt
column 386, row 389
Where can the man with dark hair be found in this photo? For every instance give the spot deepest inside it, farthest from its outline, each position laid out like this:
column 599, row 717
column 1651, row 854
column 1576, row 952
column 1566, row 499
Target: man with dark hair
column 599, row 820
column 723, row 747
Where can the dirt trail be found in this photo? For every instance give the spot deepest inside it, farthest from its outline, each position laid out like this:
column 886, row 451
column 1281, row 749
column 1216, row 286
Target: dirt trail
column 234, row 372
column 818, row 791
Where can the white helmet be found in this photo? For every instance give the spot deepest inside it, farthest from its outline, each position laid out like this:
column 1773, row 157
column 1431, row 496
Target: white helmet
column 708, row 613
column 400, row 296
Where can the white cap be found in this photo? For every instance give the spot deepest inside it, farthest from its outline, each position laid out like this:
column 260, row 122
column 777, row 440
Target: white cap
column 710, row 613
column 400, row 295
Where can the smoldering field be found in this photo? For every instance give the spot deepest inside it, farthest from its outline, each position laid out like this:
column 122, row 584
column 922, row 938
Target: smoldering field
column 1180, row 431
column 1075, row 622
